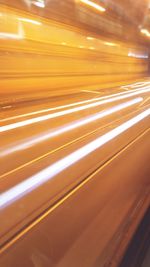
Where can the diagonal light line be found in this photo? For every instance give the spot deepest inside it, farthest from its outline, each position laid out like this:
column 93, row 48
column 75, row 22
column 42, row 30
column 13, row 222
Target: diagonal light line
column 40, row 138
column 94, row 5
column 140, row 90
column 68, row 111
column 50, row 172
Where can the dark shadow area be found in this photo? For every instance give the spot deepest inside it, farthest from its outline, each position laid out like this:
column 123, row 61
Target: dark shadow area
column 139, row 247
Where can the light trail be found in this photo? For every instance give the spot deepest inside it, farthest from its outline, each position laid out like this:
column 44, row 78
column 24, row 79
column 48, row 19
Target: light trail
column 33, row 141
column 94, row 5
column 50, row 172
column 135, row 85
column 76, row 103
column 69, row 111
column 29, row 21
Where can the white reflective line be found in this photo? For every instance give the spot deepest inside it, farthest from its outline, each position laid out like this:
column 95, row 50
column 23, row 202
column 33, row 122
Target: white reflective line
column 5, row 107
column 34, row 140
column 94, row 5
column 68, row 111
column 30, row 21
column 138, row 85
column 76, row 104
column 5, row 35
column 48, row 173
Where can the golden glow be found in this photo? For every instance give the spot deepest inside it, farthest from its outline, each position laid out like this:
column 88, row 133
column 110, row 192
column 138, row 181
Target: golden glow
column 51, row 38
column 63, row 43
column 94, row 5
column 59, row 49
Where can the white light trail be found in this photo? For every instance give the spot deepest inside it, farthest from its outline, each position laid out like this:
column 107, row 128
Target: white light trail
column 50, row 172
column 110, row 98
column 69, row 111
column 30, row 21
column 5, row 35
column 39, row 3
column 136, row 85
column 146, row 32
column 34, row 140
column 16, row 36
column 90, row 38
column 94, row 5
column 137, row 55
column 110, row 44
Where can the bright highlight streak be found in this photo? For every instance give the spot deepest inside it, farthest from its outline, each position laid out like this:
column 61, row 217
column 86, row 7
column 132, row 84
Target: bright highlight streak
column 48, row 173
column 30, row 21
column 110, row 97
column 146, row 32
column 39, row 3
column 137, row 55
column 110, row 44
column 5, row 35
column 30, row 142
column 69, row 111
column 94, row 5
column 136, row 85
column 16, row 36
column 90, row 38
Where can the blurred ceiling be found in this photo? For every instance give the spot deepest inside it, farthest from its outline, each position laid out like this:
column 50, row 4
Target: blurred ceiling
column 134, row 10
column 123, row 18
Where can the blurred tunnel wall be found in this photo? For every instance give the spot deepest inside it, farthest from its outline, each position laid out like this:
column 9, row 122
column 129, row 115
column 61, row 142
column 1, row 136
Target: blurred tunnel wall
column 57, row 47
